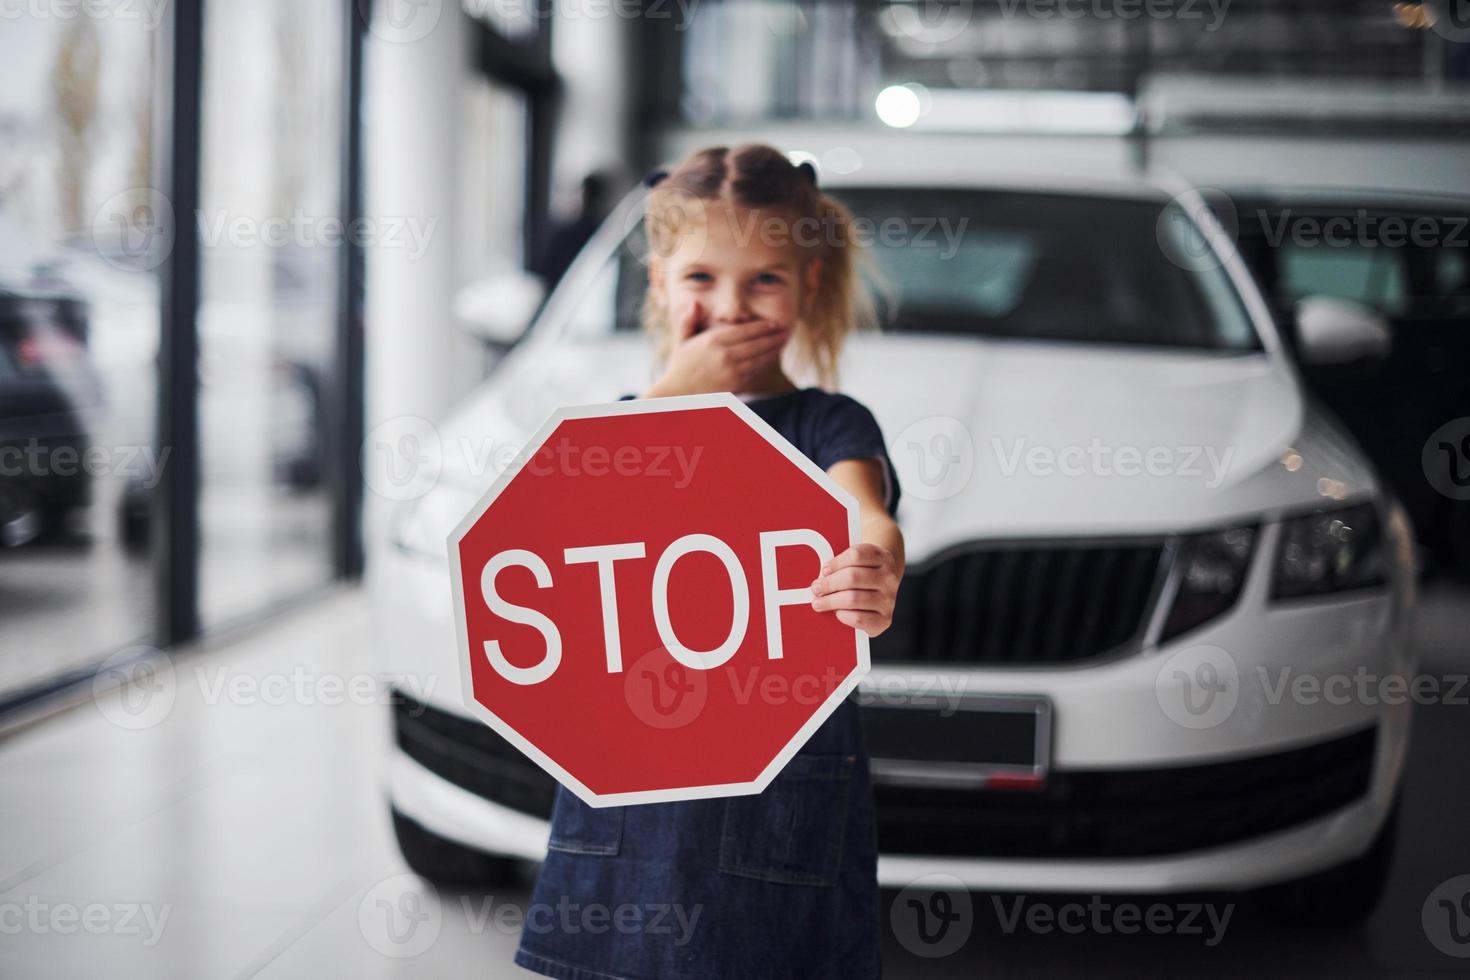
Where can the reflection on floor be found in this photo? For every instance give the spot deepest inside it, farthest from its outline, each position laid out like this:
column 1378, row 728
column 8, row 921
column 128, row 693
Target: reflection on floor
column 205, row 833
column 68, row 604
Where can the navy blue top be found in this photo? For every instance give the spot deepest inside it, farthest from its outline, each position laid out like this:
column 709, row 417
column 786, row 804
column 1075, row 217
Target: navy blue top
column 779, row 884
column 826, row 427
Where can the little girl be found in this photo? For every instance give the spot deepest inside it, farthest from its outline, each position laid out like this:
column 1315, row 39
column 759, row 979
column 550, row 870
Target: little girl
column 750, row 264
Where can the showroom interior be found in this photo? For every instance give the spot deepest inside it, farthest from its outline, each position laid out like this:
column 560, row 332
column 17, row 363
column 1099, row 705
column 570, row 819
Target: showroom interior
column 1169, row 354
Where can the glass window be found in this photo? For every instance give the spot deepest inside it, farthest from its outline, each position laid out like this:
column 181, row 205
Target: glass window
column 80, row 244
column 1451, row 271
column 1022, row 266
column 1451, row 278
column 596, row 311
column 270, row 226
column 1041, row 267
column 997, row 265
column 612, row 300
column 1363, row 272
column 492, row 178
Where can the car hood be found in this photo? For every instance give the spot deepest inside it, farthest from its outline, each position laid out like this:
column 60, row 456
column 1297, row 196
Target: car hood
column 1003, row 439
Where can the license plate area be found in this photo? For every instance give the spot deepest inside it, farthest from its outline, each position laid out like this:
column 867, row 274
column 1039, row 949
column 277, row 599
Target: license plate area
column 972, row 741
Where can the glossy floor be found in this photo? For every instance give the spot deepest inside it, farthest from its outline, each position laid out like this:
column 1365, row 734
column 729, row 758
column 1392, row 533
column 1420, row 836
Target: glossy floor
column 232, row 824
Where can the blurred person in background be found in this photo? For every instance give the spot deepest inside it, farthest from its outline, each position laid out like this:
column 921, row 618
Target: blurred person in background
column 561, row 241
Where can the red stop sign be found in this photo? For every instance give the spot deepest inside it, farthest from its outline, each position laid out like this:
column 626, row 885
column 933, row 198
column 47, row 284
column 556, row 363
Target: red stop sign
column 633, row 600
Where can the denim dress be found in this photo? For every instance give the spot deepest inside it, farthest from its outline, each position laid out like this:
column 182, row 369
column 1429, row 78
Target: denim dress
column 778, row 884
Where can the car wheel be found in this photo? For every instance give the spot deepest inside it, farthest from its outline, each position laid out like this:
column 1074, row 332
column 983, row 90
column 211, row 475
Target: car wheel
column 1343, row 896
column 441, row 861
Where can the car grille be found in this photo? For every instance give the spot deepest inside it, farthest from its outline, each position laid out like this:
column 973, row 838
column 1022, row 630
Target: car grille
column 1130, row 813
column 470, row 754
column 999, row 603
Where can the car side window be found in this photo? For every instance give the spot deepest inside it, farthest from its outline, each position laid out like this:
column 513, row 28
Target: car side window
column 592, row 316
column 1364, row 273
column 1452, row 275
column 612, row 300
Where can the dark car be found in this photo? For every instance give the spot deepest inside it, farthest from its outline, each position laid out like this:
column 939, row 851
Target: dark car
column 47, row 384
column 1407, row 260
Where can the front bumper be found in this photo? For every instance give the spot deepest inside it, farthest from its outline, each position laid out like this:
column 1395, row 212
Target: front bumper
column 1135, row 801
column 1232, row 825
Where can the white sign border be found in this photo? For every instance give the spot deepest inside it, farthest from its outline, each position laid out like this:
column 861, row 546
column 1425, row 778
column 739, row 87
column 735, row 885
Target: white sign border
column 643, row 406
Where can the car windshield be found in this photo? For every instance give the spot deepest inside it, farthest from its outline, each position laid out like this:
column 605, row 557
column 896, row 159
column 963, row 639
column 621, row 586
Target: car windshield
column 1026, row 266
column 1046, row 267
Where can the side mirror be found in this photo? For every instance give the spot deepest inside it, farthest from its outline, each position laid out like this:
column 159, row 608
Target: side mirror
column 498, row 309
column 1338, row 331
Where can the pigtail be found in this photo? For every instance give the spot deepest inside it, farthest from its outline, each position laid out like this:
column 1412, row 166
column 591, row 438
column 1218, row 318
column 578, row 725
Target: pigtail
column 842, row 302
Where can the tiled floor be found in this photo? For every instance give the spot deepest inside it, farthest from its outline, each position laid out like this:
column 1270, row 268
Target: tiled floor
column 248, row 826
column 66, row 604
column 233, row 824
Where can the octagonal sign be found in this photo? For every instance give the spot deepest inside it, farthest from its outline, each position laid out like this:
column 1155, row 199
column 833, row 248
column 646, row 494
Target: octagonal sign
column 633, row 600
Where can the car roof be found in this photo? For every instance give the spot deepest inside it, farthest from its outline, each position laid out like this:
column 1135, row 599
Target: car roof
column 1283, row 195
column 846, row 156
column 1107, row 165
column 1088, row 185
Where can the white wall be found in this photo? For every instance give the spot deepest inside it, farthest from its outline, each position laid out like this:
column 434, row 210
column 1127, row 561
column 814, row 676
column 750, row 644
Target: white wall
column 419, row 363
column 595, row 131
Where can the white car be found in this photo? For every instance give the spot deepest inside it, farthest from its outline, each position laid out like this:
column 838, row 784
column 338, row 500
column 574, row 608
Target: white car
column 1156, row 601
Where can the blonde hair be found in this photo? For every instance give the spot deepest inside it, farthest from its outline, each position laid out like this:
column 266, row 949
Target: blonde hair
column 758, row 176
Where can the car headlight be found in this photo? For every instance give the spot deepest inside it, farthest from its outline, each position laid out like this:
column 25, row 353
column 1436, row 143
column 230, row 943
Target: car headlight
column 1331, row 551
column 1213, row 569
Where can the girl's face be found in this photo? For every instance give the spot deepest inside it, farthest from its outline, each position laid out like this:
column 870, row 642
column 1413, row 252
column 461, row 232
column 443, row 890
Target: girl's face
column 740, row 265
